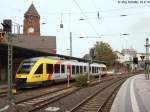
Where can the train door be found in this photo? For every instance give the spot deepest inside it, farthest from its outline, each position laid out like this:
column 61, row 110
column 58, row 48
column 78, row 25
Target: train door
column 38, row 74
column 49, row 72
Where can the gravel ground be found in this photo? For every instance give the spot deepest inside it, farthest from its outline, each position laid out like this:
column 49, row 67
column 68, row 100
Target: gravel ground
column 70, row 101
column 29, row 94
column 64, row 104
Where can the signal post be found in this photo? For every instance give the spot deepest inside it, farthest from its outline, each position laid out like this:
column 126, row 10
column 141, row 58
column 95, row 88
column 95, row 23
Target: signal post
column 7, row 28
column 147, row 62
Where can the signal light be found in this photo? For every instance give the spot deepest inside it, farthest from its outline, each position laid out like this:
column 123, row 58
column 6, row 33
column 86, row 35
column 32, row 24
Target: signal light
column 7, row 25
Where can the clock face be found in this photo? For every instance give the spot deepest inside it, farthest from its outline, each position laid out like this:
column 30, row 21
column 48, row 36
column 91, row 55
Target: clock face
column 31, row 30
column 31, row 17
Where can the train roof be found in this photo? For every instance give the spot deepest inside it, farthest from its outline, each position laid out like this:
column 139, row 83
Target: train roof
column 58, row 58
column 73, row 62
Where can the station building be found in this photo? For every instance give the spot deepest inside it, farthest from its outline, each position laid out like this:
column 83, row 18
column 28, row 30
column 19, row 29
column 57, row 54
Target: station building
column 26, row 45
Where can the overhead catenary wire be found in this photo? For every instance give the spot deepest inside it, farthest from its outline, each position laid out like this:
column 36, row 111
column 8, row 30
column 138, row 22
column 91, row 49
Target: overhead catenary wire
column 92, row 12
column 86, row 18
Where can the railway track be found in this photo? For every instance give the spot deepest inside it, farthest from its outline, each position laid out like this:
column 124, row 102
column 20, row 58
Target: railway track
column 97, row 101
column 3, row 91
column 30, row 90
column 69, row 104
column 42, row 100
column 38, row 102
column 35, row 103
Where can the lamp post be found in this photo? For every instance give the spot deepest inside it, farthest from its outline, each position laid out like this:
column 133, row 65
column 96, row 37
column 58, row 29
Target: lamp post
column 70, row 37
column 70, row 44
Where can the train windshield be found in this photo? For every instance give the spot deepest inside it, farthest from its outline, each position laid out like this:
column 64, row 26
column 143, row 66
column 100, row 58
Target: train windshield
column 25, row 67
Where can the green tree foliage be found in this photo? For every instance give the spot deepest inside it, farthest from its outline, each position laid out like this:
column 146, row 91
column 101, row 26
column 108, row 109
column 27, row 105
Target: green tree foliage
column 104, row 52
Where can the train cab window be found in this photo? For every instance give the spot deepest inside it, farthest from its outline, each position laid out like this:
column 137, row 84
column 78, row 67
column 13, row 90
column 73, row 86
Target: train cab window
column 57, row 68
column 49, row 68
column 62, row 68
column 39, row 70
column 73, row 70
column 77, row 69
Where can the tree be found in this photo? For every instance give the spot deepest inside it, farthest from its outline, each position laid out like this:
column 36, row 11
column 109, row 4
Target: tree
column 104, row 52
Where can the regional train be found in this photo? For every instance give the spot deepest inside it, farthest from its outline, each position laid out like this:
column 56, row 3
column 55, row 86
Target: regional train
column 44, row 70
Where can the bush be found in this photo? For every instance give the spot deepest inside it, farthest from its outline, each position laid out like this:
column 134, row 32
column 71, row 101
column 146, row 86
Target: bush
column 81, row 80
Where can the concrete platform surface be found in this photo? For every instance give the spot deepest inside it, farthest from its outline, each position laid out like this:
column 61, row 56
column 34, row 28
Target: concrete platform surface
column 133, row 96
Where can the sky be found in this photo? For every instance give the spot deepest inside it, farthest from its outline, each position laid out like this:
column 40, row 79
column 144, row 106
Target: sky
column 107, row 27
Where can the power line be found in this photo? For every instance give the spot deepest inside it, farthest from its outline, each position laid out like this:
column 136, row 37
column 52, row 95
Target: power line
column 86, row 18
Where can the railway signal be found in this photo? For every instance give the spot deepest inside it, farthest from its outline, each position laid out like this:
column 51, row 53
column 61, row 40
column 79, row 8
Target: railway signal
column 147, row 59
column 7, row 25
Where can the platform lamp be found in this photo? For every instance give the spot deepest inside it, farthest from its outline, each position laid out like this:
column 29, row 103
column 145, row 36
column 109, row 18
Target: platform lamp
column 61, row 24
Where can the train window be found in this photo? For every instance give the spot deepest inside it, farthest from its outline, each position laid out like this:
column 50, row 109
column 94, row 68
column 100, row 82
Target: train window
column 73, row 69
column 57, row 68
column 49, row 68
column 96, row 69
column 92, row 69
column 103, row 69
column 25, row 67
column 62, row 68
column 77, row 69
column 81, row 69
column 39, row 69
column 84, row 68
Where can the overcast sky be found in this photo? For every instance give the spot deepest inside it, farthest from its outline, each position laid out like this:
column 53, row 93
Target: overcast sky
column 109, row 26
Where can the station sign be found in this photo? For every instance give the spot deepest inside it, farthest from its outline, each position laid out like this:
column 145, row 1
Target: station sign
column 2, row 35
column 142, row 57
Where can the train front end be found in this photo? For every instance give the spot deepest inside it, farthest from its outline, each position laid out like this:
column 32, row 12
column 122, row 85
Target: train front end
column 23, row 73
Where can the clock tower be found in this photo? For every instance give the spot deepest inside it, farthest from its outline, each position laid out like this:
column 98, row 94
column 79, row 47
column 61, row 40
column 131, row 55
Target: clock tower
column 31, row 25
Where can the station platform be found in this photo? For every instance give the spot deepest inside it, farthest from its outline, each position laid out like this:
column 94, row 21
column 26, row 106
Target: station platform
column 133, row 96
